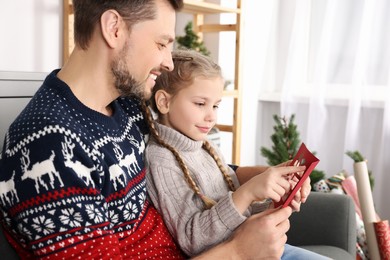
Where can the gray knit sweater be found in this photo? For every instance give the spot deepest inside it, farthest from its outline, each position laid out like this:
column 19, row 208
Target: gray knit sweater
column 194, row 228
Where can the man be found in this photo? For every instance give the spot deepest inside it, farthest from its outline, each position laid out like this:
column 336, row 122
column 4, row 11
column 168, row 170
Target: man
column 72, row 172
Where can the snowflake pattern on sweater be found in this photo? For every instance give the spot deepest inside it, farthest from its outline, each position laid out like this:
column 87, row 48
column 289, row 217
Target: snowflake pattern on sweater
column 72, row 180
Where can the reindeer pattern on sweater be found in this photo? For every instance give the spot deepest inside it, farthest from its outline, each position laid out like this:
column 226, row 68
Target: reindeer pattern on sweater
column 69, row 174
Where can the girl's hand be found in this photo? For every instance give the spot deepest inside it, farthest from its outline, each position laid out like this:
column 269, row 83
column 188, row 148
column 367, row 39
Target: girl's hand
column 245, row 173
column 273, row 184
column 301, row 196
column 284, row 164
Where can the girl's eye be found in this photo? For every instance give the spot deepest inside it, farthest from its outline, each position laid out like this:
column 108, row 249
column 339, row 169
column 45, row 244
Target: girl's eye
column 199, row 104
column 216, row 106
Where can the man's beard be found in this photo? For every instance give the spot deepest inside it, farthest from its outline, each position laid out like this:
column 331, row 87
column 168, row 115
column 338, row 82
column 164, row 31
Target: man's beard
column 125, row 83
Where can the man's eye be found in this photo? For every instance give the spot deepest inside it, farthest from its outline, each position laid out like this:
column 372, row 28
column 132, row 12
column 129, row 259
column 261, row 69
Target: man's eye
column 162, row 46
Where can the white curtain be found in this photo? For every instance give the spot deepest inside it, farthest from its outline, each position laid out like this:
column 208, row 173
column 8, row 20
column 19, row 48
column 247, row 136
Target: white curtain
column 331, row 64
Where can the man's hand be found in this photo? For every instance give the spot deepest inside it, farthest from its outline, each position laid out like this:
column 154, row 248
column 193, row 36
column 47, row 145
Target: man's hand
column 261, row 236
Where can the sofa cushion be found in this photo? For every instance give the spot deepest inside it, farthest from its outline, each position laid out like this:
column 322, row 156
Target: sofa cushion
column 333, row 252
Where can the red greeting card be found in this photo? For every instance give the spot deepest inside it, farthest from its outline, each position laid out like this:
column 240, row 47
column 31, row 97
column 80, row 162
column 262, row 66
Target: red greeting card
column 303, row 157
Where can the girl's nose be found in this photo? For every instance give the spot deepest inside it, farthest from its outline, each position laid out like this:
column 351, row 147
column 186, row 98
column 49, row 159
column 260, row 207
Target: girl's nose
column 211, row 115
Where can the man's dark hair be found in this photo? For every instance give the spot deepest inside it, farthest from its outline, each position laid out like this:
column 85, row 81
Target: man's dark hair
column 87, row 14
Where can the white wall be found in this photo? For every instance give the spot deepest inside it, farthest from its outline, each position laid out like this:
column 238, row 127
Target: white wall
column 256, row 35
column 31, row 35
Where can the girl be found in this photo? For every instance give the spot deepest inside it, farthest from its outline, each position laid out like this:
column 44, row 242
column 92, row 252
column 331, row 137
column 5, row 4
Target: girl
column 200, row 206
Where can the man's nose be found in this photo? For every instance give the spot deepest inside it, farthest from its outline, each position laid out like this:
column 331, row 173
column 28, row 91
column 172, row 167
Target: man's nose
column 167, row 63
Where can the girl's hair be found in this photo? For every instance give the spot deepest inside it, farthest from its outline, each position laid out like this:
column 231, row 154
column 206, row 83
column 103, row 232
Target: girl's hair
column 87, row 14
column 188, row 65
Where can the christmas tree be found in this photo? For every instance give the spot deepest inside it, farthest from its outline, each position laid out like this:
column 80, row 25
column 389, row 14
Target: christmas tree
column 286, row 143
column 191, row 41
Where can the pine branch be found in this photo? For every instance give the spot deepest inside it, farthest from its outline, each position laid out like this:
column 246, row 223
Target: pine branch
column 191, row 41
column 286, row 142
column 356, row 156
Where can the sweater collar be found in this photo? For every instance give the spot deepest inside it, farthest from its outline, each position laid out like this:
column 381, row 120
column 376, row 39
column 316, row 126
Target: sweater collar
column 177, row 139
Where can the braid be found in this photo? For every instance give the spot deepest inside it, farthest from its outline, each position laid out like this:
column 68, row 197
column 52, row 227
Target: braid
column 149, row 119
column 211, row 151
column 154, row 133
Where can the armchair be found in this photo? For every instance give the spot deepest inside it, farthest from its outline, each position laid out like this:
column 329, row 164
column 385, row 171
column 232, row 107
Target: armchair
column 326, row 224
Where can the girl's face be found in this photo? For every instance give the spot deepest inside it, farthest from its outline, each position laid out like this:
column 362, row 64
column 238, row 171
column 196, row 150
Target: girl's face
column 193, row 110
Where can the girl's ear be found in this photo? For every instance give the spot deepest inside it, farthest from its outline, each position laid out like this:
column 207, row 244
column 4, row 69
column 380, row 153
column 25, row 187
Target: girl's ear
column 112, row 26
column 162, row 99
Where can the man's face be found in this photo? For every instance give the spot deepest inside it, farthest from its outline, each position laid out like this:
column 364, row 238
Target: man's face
column 146, row 53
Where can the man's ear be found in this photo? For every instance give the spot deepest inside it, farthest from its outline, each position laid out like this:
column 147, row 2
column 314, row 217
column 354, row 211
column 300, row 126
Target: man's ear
column 112, row 25
column 162, row 99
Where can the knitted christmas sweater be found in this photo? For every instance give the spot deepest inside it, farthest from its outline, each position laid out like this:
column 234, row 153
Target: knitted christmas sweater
column 72, row 181
column 194, row 228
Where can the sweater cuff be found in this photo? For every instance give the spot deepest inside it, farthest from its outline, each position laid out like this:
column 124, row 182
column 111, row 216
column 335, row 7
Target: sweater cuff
column 260, row 206
column 228, row 213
